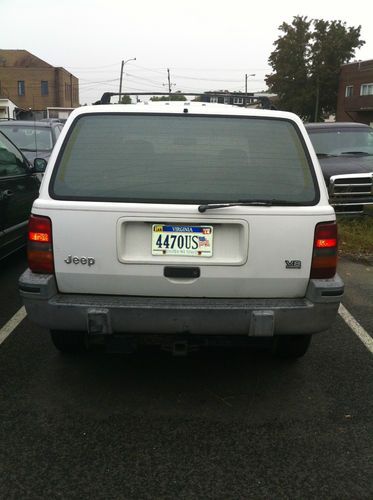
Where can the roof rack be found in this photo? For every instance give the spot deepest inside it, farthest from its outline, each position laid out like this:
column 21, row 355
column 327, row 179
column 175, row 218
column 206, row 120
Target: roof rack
column 264, row 101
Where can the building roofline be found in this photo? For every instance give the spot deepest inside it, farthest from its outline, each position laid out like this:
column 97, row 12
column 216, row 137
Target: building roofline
column 30, row 54
column 358, row 62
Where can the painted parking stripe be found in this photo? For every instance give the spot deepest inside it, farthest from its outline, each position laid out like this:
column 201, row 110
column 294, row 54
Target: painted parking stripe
column 356, row 328
column 12, row 324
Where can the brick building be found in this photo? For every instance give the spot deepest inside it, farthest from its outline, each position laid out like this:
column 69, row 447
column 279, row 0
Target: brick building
column 355, row 93
column 34, row 85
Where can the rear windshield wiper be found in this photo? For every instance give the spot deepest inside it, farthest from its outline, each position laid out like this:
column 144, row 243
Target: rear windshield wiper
column 324, row 155
column 362, row 153
column 34, row 149
column 253, row 203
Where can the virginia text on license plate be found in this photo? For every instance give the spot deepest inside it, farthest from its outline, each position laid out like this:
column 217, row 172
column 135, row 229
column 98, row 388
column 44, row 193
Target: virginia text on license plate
column 189, row 241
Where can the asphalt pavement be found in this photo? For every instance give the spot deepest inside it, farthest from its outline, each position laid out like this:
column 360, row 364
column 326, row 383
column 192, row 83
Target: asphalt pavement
column 217, row 424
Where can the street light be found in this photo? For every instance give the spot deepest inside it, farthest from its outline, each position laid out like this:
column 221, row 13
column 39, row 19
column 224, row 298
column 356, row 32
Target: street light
column 246, row 77
column 121, row 75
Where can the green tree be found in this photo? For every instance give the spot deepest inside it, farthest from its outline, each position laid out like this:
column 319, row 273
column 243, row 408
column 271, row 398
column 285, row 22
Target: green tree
column 306, row 64
column 178, row 96
column 126, row 99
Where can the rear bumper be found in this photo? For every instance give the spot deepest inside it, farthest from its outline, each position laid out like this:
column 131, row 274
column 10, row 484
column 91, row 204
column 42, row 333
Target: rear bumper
column 103, row 314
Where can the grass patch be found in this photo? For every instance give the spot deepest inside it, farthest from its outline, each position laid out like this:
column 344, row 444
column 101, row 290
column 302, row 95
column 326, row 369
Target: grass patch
column 356, row 235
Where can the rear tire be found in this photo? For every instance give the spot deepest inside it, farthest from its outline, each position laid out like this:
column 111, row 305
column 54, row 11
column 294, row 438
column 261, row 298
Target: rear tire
column 290, row 346
column 69, row 342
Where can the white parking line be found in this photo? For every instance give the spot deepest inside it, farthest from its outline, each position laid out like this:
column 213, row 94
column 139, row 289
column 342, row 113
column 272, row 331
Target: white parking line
column 12, row 324
column 356, row 328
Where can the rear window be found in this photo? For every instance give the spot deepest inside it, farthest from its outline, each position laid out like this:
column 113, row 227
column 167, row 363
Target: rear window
column 183, row 159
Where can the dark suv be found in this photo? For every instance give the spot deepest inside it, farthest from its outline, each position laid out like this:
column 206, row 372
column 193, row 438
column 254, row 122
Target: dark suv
column 345, row 153
column 19, row 186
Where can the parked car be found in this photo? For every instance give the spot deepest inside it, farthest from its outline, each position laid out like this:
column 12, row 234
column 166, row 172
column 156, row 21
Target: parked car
column 35, row 139
column 19, row 186
column 182, row 224
column 345, row 152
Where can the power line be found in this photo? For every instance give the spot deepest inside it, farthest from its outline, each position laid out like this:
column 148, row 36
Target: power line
column 100, row 81
column 160, row 70
column 92, row 67
column 213, row 79
column 204, row 69
column 144, row 79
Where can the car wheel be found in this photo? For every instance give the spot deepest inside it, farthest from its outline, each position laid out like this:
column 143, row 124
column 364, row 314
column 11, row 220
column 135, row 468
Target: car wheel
column 69, row 342
column 290, row 346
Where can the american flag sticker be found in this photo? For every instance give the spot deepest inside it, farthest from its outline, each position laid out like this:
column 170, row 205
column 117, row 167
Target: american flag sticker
column 203, row 242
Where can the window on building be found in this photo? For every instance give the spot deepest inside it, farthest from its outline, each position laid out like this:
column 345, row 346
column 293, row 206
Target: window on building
column 226, row 100
column 21, row 87
column 214, row 98
column 44, row 87
column 349, row 91
column 238, row 100
column 366, row 89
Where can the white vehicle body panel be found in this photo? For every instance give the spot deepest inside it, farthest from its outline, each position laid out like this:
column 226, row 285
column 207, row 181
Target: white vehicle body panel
column 254, row 267
column 251, row 244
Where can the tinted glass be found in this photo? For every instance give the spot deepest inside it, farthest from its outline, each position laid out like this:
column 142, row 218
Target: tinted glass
column 183, row 159
column 57, row 131
column 11, row 160
column 29, row 138
column 344, row 140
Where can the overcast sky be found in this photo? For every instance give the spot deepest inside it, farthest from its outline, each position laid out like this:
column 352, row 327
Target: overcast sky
column 206, row 44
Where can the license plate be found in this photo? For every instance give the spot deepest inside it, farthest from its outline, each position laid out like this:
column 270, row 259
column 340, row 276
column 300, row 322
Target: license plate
column 189, row 241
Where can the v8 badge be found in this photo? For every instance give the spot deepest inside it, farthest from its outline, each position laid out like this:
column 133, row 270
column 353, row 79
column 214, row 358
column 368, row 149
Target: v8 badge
column 293, row 264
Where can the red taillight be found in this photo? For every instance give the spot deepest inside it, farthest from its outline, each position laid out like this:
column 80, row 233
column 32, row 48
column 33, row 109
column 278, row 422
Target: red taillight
column 326, row 243
column 325, row 251
column 38, row 237
column 39, row 246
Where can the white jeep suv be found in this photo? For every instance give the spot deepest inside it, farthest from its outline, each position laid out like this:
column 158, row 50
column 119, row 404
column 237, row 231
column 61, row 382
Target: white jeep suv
column 184, row 222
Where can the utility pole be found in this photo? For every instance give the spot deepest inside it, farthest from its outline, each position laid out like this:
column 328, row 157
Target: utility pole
column 169, row 81
column 121, row 76
column 120, row 82
column 246, row 76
